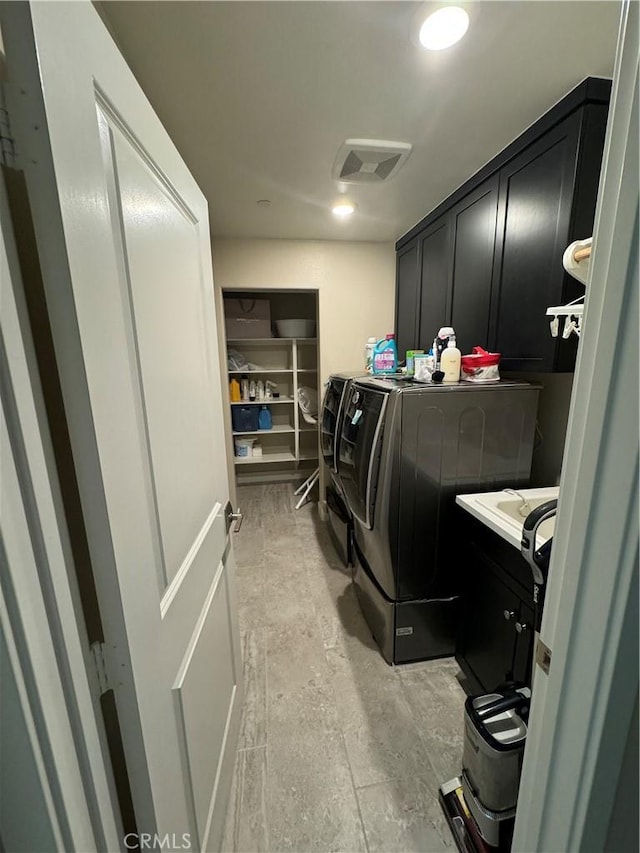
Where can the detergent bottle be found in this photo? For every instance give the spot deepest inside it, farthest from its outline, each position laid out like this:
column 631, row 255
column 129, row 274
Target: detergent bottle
column 234, row 391
column 385, row 356
column 368, row 354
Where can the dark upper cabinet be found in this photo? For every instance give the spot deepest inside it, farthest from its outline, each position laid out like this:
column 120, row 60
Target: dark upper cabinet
column 474, row 227
column 435, row 270
column 407, row 292
column 488, row 260
column 536, row 200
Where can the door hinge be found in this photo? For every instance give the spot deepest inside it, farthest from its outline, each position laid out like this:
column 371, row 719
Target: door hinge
column 100, row 666
column 543, row 656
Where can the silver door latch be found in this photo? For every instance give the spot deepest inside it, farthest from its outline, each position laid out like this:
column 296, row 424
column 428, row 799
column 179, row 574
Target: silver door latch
column 231, row 517
column 543, row 656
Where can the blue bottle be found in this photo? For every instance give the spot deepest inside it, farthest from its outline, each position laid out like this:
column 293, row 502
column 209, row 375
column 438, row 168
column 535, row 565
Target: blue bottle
column 264, row 418
column 385, row 356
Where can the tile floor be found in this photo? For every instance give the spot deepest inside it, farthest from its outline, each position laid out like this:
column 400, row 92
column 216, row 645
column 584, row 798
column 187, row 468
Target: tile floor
column 338, row 751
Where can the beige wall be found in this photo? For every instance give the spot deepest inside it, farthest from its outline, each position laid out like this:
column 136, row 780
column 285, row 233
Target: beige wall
column 355, row 281
column 356, row 295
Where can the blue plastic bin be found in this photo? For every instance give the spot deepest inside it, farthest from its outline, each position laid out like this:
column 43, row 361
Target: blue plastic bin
column 245, row 418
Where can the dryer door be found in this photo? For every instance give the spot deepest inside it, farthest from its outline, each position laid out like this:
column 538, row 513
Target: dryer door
column 359, row 450
column 329, row 423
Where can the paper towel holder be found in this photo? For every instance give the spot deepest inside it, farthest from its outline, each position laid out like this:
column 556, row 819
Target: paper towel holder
column 576, row 259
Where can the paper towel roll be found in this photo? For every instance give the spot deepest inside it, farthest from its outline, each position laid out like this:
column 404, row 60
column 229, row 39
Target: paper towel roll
column 578, row 269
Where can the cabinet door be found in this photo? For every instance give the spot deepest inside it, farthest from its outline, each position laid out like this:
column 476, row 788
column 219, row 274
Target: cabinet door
column 474, row 227
column 435, row 274
column 487, row 634
column 407, row 292
column 536, row 195
column 522, row 658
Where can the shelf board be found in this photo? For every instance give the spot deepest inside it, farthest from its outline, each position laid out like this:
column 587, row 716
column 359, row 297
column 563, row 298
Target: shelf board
column 271, row 341
column 309, row 455
column 307, row 370
column 274, row 428
column 263, row 402
column 262, row 370
column 264, row 459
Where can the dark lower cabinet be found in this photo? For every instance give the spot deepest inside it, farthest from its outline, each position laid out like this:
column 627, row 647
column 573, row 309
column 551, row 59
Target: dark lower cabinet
column 495, row 641
column 488, row 260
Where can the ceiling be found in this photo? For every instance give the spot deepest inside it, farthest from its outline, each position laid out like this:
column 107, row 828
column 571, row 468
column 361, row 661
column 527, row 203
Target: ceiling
column 259, row 96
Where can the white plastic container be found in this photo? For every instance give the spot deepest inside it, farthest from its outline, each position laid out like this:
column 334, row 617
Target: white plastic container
column 243, row 447
column 423, row 367
column 450, row 363
column 296, row 328
column 368, row 354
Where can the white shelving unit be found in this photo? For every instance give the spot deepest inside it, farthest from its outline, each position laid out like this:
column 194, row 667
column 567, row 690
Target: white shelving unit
column 290, row 363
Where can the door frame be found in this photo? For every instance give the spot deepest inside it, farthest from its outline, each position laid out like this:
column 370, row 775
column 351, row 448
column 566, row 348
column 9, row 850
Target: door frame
column 40, row 601
column 583, row 711
column 28, row 116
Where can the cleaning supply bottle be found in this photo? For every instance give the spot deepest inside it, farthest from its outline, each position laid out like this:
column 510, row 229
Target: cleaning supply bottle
column 450, row 363
column 368, row 354
column 260, row 389
column 264, row 418
column 440, row 343
column 385, row 355
column 244, row 387
column 234, row 391
column 252, row 390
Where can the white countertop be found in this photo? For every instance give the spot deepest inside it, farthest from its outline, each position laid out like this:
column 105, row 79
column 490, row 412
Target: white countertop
column 499, row 511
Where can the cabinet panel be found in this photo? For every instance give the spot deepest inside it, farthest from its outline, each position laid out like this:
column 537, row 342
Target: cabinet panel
column 407, row 287
column 474, row 224
column 487, row 637
column 523, row 653
column 536, row 193
column 434, row 281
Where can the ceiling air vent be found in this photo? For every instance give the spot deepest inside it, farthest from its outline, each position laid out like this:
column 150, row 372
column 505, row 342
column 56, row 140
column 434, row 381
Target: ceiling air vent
column 369, row 161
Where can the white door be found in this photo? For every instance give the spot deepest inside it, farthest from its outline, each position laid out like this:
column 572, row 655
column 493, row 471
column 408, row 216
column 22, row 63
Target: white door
column 124, row 245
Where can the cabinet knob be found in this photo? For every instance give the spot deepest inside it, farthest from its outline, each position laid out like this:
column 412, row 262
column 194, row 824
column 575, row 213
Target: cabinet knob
column 509, row 614
column 521, row 627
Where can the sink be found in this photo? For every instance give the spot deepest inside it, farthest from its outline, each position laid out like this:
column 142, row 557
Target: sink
column 499, row 511
column 512, row 509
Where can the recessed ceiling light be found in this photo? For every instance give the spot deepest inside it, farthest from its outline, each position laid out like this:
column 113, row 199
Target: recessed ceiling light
column 444, row 28
column 343, row 209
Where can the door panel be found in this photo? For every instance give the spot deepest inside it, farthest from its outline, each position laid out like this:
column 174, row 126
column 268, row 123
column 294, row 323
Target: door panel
column 123, row 237
column 330, row 416
column 204, row 723
column 536, row 194
column 168, row 303
column 475, row 234
column 407, row 297
column 359, row 447
column 522, row 659
column 434, row 281
column 488, row 638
